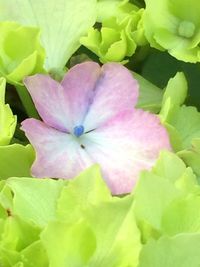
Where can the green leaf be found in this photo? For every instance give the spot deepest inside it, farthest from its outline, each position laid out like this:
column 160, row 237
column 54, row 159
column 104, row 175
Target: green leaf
column 167, row 26
column 88, row 198
column 113, row 8
column 186, row 121
column 174, row 96
column 168, row 181
column 169, row 166
column 191, row 156
column 21, row 52
column 156, row 193
column 34, row 255
column 35, row 199
column 18, row 234
column 180, row 251
column 68, row 245
column 15, row 161
column 80, row 193
column 150, row 96
column 119, row 35
column 117, row 235
column 2, row 90
column 7, row 120
column 109, row 44
column 62, row 23
column 182, row 216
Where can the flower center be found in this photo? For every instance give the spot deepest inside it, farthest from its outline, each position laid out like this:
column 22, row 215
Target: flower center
column 78, row 130
column 186, row 29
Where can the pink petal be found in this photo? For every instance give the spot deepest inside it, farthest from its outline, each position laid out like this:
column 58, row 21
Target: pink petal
column 125, row 145
column 58, row 154
column 116, row 90
column 79, row 84
column 87, row 95
column 50, row 101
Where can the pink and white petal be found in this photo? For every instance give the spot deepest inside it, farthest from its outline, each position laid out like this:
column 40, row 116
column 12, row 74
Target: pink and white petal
column 79, row 84
column 126, row 145
column 50, row 101
column 115, row 91
column 58, row 154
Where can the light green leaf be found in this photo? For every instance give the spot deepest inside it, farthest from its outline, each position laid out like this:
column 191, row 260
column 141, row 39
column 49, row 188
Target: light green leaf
column 150, row 96
column 18, row 234
column 62, row 23
column 191, row 156
column 16, row 161
column 68, row 245
column 7, row 120
column 113, row 8
column 21, row 52
column 35, row 255
column 180, row 251
column 87, row 197
column 168, row 181
column 117, row 235
column 156, row 193
column 119, row 35
column 187, row 122
column 174, row 96
column 169, row 166
column 2, row 90
column 182, row 216
column 167, row 26
column 80, row 193
column 35, row 199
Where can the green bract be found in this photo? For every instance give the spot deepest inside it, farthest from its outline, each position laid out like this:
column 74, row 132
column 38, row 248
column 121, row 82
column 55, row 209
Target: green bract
column 182, row 122
column 174, row 25
column 16, row 161
column 62, row 23
column 50, row 222
column 168, row 252
column 150, row 96
column 118, row 37
column 53, row 219
column 20, row 51
column 7, row 119
column 113, row 8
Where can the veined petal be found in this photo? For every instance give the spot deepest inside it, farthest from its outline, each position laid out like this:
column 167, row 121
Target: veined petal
column 87, row 95
column 58, row 154
column 50, row 101
column 115, row 90
column 79, row 85
column 125, row 145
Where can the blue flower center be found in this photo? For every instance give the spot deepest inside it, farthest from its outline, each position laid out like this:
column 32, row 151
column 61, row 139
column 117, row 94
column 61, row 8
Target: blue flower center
column 78, row 130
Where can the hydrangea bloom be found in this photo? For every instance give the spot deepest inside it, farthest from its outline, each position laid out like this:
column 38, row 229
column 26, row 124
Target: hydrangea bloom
column 90, row 118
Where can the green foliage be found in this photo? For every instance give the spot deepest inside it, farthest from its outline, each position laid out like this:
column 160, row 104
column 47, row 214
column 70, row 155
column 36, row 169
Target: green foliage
column 120, row 34
column 59, row 37
column 7, row 119
column 150, row 96
column 52, row 219
column 20, row 52
column 170, row 26
column 16, row 160
column 182, row 122
column 168, row 252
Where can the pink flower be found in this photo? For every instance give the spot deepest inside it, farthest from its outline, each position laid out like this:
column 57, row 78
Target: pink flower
column 90, row 118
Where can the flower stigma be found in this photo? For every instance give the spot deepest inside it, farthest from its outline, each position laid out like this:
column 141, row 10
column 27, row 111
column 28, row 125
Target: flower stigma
column 78, row 130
